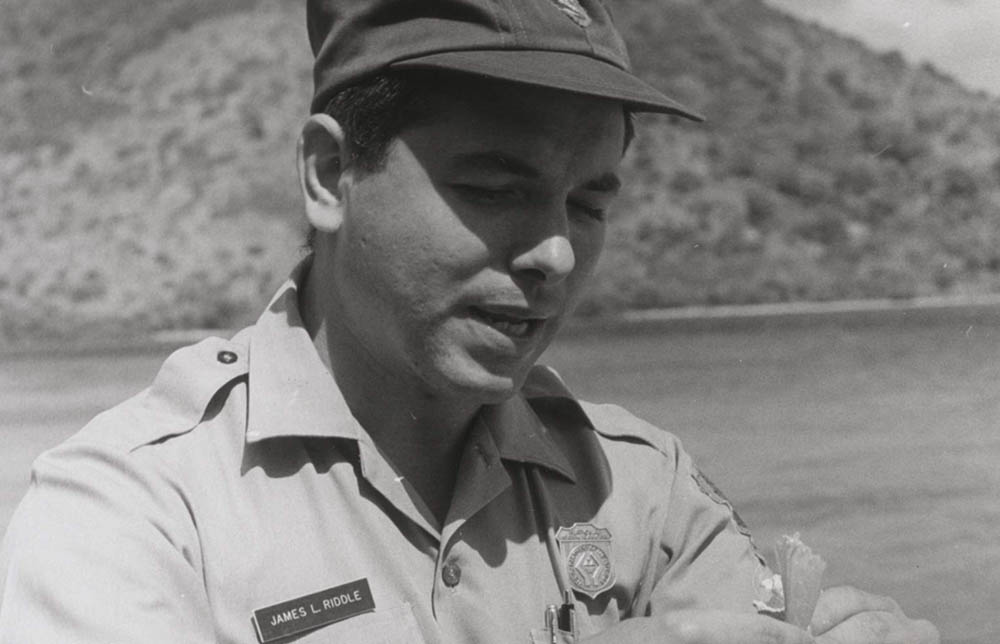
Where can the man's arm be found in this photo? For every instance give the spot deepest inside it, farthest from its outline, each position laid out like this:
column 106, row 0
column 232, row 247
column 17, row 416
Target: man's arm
column 705, row 594
column 845, row 615
column 849, row 616
column 702, row 627
column 96, row 553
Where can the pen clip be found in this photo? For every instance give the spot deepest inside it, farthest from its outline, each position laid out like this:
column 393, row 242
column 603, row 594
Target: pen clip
column 567, row 614
column 552, row 622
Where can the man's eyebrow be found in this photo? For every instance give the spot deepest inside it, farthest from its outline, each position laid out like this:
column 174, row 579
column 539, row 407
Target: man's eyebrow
column 495, row 161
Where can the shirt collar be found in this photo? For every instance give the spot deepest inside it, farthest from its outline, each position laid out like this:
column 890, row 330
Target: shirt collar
column 521, row 436
column 292, row 393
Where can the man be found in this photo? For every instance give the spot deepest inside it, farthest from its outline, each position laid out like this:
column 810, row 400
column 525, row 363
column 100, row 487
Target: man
column 378, row 459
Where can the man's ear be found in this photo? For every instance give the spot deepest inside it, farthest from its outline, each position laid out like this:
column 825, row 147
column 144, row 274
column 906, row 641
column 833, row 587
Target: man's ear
column 321, row 161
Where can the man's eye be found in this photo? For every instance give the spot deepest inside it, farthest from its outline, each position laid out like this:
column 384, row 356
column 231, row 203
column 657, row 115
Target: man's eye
column 594, row 212
column 486, row 194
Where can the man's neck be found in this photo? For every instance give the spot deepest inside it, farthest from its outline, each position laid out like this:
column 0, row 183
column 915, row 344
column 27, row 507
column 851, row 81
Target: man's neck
column 422, row 435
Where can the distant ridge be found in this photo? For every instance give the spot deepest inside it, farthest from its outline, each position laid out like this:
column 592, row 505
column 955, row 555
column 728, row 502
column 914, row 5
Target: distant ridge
column 147, row 181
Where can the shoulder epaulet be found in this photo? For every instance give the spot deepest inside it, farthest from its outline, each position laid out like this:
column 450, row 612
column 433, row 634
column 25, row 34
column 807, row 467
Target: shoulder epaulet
column 610, row 421
column 615, row 422
column 177, row 399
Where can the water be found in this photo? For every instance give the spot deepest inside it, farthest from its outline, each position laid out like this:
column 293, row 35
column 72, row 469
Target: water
column 879, row 444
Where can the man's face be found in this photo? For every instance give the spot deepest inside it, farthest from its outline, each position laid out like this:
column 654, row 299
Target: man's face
column 456, row 264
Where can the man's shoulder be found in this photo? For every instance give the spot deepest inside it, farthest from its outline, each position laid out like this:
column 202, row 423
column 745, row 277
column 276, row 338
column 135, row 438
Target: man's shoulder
column 617, row 423
column 546, row 391
column 190, row 382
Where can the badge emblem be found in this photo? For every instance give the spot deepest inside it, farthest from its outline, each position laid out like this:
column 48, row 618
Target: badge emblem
column 586, row 549
column 574, row 10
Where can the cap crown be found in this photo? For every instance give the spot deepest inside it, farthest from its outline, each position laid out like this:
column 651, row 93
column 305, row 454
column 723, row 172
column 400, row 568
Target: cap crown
column 353, row 38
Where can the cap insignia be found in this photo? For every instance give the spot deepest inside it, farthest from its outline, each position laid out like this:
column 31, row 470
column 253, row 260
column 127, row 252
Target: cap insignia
column 574, row 10
column 586, row 550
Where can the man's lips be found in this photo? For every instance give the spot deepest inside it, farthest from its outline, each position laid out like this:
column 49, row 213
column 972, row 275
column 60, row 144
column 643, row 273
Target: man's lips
column 516, row 322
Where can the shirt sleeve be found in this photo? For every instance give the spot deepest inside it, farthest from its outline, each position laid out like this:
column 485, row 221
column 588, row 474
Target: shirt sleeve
column 710, row 559
column 99, row 551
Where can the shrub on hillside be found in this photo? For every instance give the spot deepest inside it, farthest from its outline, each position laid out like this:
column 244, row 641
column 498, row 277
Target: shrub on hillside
column 147, row 180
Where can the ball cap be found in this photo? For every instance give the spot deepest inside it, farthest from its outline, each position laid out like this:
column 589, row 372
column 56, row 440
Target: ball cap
column 570, row 45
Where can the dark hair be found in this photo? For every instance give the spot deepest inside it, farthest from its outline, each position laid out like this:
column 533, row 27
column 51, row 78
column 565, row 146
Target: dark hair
column 375, row 111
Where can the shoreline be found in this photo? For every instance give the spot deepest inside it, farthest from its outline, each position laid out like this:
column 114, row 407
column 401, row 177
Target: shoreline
column 983, row 310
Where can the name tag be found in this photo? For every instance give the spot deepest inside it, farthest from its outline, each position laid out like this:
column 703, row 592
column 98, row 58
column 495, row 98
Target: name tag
column 312, row 611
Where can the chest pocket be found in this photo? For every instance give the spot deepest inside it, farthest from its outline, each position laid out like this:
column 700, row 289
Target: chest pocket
column 395, row 625
column 542, row 636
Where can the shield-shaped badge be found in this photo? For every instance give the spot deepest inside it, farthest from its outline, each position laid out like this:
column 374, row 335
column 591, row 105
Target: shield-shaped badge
column 586, row 550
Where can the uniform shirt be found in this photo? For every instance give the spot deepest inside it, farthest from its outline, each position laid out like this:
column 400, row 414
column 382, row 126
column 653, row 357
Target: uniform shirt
column 239, row 480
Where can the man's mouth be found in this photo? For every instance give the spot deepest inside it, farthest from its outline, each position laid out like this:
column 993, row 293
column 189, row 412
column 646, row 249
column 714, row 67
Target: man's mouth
column 511, row 324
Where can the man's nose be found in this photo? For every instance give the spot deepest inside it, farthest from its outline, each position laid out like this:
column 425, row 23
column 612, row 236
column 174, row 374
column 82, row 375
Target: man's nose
column 546, row 257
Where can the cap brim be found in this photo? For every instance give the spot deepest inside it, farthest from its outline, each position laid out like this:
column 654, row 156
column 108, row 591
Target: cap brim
column 570, row 72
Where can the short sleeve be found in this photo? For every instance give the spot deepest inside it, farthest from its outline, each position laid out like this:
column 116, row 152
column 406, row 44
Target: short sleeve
column 711, row 561
column 98, row 552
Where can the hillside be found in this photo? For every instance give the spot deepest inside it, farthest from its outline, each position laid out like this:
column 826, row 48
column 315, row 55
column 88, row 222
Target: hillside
column 147, row 179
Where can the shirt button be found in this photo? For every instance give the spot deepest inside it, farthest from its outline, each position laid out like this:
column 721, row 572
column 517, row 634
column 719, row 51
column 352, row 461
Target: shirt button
column 451, row 574
column 226, row 357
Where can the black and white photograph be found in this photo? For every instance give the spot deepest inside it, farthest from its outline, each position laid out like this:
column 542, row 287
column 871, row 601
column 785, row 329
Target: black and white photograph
column 500, row 322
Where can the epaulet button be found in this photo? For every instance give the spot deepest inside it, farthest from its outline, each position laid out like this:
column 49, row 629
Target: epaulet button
column 185, row 386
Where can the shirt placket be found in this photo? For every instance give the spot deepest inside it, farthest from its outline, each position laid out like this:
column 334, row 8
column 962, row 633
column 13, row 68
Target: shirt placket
column 481, row 478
